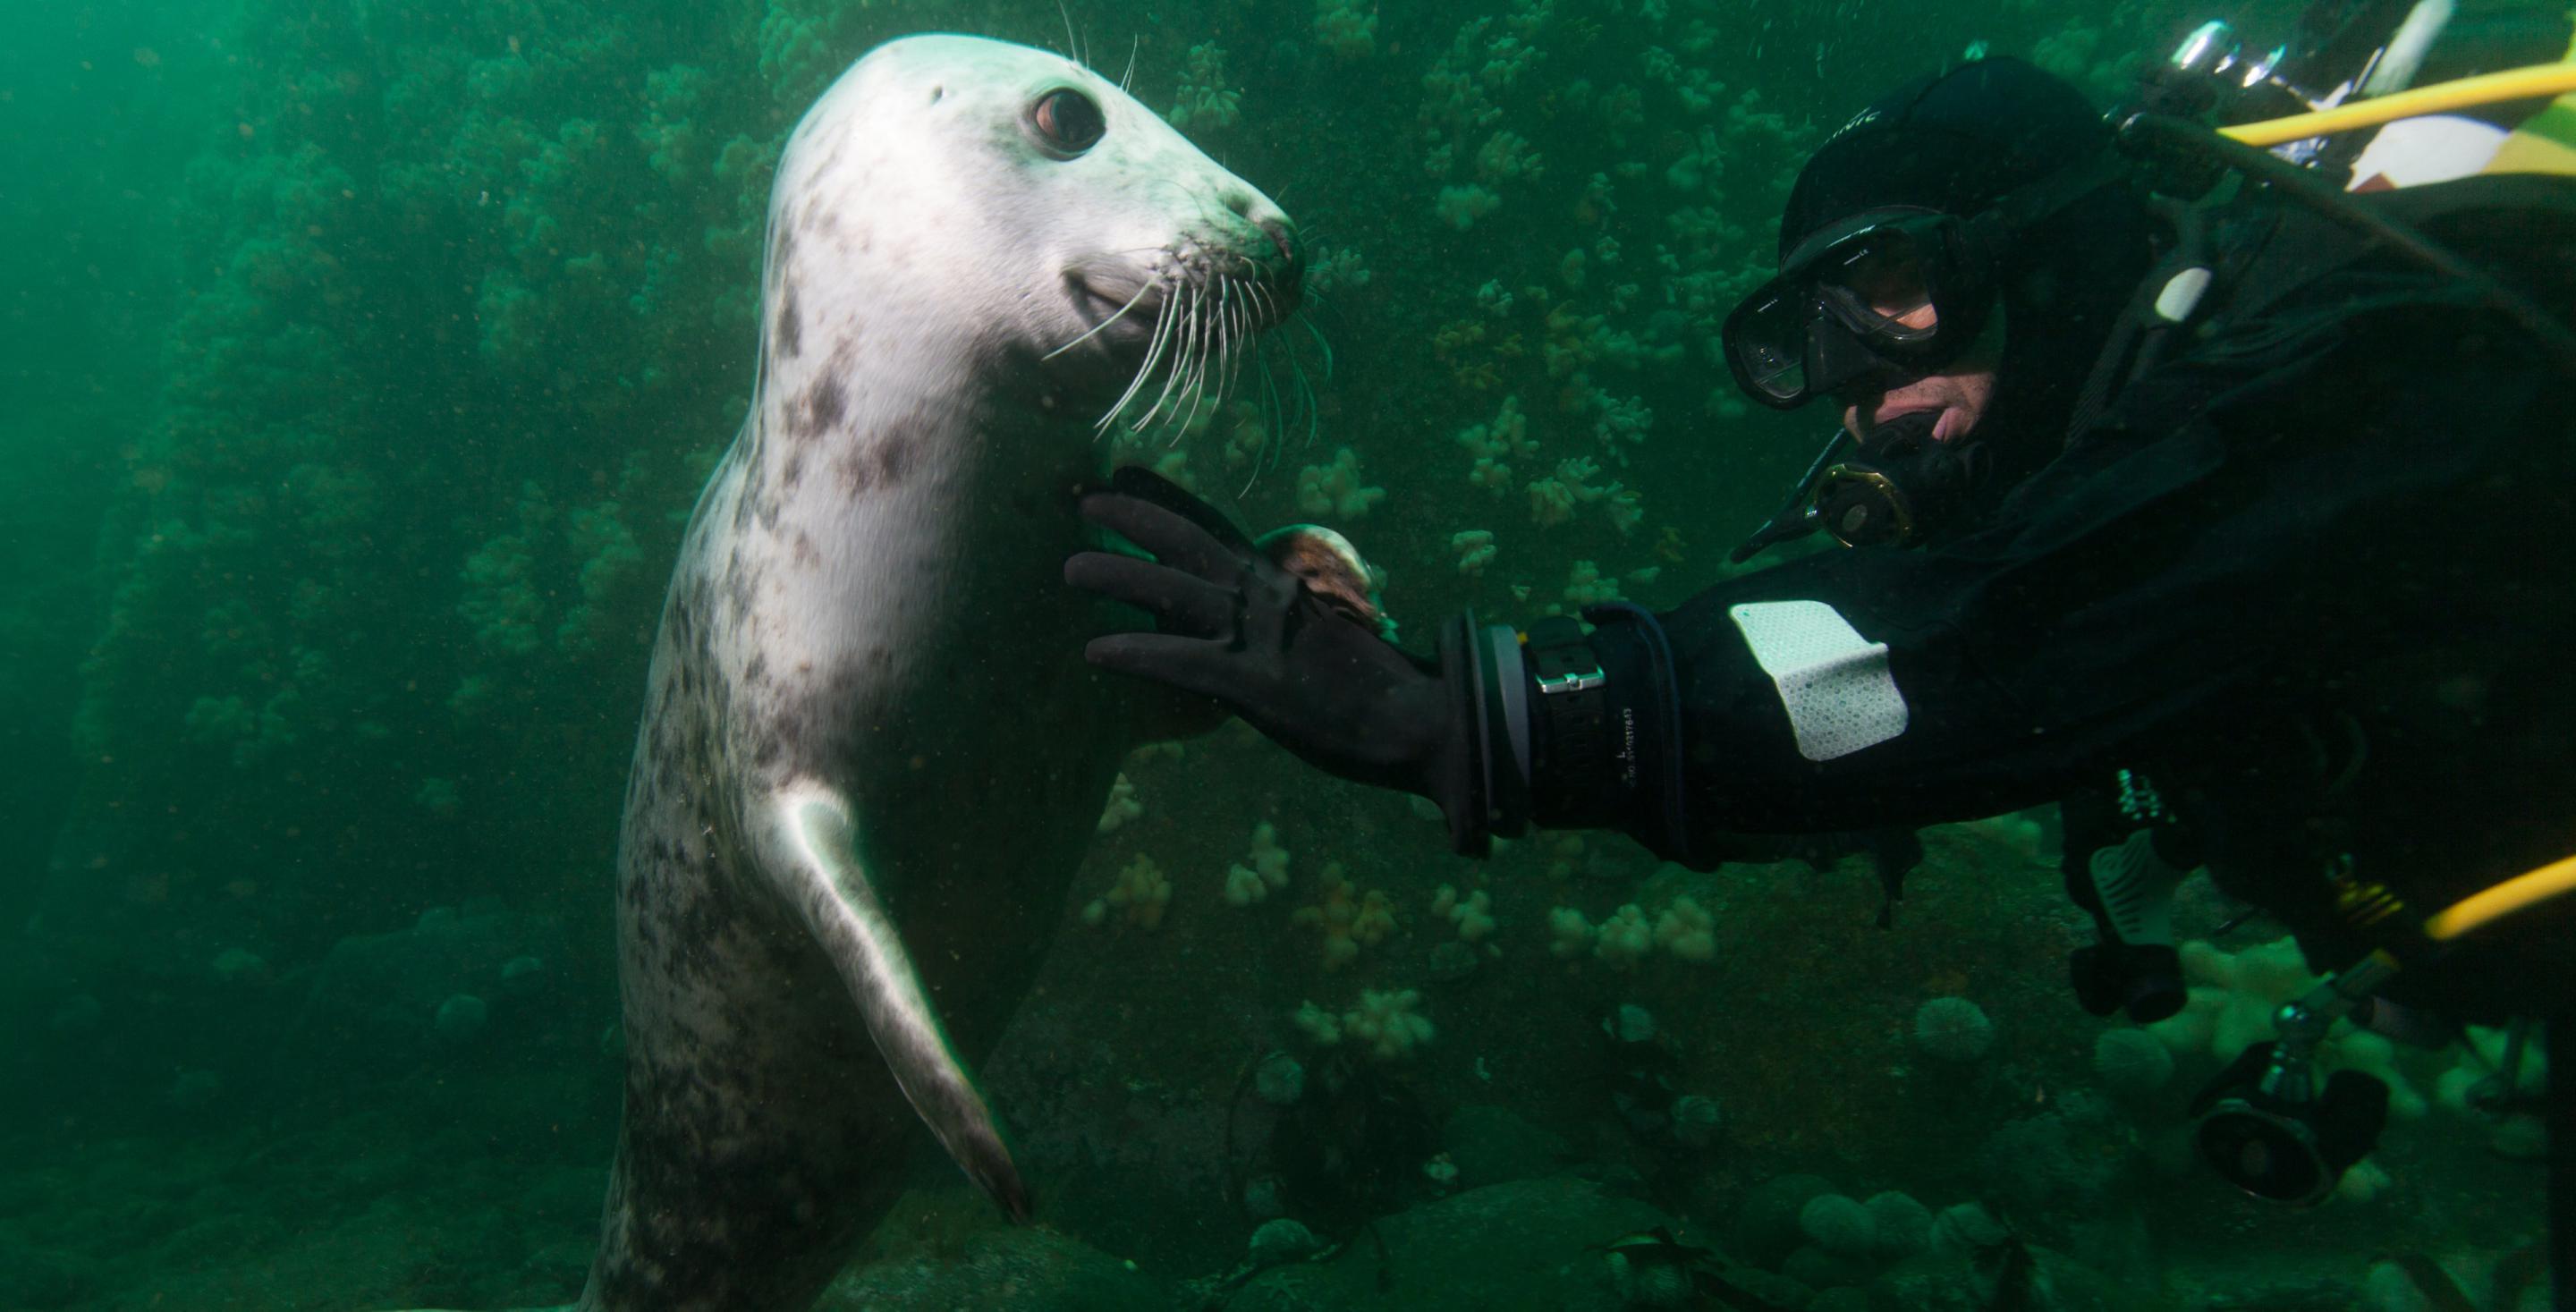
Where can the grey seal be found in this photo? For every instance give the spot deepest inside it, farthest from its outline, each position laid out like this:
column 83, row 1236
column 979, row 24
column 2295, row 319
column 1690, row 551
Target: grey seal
column 872, row 754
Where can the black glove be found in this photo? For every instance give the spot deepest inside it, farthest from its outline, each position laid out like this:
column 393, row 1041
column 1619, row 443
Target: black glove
column 1300, row 663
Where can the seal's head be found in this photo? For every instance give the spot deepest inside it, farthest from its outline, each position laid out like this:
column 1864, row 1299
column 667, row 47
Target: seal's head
column 968, row 199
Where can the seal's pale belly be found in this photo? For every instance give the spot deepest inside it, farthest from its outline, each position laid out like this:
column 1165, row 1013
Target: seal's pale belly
column 762, row 1121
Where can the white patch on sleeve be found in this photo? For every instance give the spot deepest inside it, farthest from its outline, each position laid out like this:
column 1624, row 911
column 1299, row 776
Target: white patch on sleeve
column 1833, row 682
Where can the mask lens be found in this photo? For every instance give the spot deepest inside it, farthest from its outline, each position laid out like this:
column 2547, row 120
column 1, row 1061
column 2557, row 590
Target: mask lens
column 1766, row 343
column 1877, row 283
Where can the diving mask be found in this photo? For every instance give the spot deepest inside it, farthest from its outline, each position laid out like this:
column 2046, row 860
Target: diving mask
column 1888, row 294
column 1885, row 292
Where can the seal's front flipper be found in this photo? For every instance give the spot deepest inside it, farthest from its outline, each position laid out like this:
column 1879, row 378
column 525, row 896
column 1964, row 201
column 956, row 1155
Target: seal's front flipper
column 818, row 870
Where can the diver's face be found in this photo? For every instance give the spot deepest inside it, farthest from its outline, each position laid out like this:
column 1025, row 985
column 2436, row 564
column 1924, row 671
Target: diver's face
column 1961, row 392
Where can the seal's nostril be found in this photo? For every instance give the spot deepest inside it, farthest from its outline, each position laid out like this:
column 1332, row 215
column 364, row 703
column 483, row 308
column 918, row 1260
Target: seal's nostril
column 1283, row 235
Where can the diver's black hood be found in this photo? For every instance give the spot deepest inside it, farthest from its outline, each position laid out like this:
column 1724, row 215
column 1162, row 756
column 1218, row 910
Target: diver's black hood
column 1956, row 142
column 1951, row 141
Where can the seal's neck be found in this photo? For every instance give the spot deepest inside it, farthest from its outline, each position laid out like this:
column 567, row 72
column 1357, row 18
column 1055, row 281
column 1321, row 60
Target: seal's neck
column 910, row 505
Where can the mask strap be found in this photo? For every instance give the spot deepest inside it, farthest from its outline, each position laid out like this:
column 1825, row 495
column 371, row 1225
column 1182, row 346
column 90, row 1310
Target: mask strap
column 2026, row 207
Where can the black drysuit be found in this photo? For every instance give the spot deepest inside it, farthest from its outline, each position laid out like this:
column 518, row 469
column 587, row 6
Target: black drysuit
column 2314, row 573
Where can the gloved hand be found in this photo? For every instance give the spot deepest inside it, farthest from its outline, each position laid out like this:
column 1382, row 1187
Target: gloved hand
column 1297, row 661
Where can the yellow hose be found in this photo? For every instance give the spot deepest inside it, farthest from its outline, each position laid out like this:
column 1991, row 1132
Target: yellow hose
column 2516, row 894
column 2485, row 89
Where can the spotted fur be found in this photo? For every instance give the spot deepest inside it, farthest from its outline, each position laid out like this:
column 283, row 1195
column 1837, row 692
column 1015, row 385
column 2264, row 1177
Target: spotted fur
column 868, row 711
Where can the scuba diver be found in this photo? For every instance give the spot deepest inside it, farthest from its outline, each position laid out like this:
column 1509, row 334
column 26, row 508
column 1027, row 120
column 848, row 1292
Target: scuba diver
column 2245, row 529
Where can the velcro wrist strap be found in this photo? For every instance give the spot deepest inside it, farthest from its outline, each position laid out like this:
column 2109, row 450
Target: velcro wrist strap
column 1573, row 699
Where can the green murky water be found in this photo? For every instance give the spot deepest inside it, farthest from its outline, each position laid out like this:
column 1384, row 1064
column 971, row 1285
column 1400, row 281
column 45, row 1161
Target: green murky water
column 362, row 364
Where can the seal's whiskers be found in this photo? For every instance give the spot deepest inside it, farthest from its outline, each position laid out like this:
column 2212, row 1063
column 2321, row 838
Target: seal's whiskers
column 1203, row 340
column 1207, row 343
column 1270, row 414
column 1247, row 331
column 1305, row 396
column 1320, row 344
column 1209, row 329
column 1181, row 313
column 1145, row 369
column 1230, row 339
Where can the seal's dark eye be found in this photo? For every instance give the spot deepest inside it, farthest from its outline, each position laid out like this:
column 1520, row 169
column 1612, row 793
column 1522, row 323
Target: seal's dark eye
column 1068, row 120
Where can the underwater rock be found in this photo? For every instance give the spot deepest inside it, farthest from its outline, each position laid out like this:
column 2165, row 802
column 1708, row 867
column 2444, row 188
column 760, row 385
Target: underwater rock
column 2046, row 1281
column 1025, row 1270
column 1766, row 1228
column 2520, row 1138
column 1282, row 1241
column 564, row 1263
column 377, row 999
column 2132, row 1063
column 2257, row 1292
column 2060, row 1168
column 39, row 1279
column 1930, row 1282
column 1492, row 1144
column 1264, row 1198
column 1695, row 1119
column 1762, row 1288
column 1904, row 1225
column 1526, row 1244
column 1964, row 1228
column 1651, row 1284
column 1818, row 1267
column 1839, row 1225
column 1279, row 1079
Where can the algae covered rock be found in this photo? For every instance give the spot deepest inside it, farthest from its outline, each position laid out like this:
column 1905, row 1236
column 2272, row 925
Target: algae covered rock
column 381, row 1003
column 1839, row 1225
column 1490, row 1144
column 1766, row 1228
column 1528, row 1243
column 1028, row 1270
